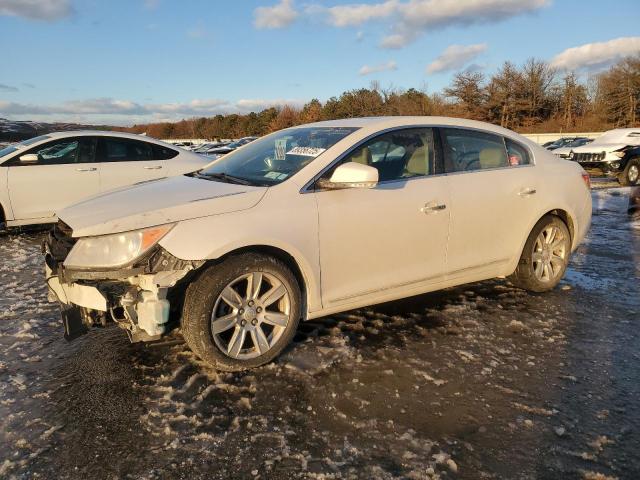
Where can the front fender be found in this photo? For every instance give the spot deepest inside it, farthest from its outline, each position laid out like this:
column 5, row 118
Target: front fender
column 288, row 226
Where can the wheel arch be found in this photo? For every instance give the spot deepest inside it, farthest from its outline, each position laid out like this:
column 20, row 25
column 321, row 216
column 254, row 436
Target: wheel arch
column 565, row 217
column 285, row 257
column 3, row 214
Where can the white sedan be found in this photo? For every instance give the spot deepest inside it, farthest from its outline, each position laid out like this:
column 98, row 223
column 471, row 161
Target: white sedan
column 44, row 174
column 314, row 220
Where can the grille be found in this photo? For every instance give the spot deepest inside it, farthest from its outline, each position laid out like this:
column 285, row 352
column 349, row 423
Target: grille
column 60, row 241
column 589, row 157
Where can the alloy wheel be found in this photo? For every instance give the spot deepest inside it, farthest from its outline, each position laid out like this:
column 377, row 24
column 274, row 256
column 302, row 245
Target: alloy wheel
column 250, row 315
column 633, row 174
column 549, row 254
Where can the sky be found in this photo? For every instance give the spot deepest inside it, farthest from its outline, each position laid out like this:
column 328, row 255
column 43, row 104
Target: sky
column 121, row 62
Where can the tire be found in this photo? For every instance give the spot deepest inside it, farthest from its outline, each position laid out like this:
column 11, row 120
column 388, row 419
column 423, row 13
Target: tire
column 542, row 265
column 228, row 330
column 631, row 173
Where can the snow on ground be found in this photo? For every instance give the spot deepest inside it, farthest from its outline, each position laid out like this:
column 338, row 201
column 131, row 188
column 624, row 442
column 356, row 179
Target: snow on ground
column 480, row 381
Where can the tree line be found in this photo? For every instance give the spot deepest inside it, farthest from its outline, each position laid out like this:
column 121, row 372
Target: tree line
column 533, row 98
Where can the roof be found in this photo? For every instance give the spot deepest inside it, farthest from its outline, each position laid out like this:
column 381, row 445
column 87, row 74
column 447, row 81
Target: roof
column 381, row 123
column 101, row 133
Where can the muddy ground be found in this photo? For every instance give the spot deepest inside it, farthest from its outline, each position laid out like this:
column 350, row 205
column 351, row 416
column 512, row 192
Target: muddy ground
column 480, row 381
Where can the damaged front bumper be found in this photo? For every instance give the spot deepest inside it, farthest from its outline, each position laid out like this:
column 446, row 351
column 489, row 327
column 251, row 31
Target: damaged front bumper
column 136, row 298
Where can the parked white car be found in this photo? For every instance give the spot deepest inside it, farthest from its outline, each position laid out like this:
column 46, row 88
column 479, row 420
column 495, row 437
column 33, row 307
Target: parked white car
column 314, row 220
column 615, row 153
column 44, row 174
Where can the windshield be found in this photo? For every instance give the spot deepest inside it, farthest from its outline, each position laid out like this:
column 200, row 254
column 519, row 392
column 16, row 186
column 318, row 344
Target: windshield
column 273, row 159
column 578, row 142
column 7, row 150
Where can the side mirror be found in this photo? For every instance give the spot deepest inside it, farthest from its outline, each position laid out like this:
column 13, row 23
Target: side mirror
column 351, row 175
column 29, row 158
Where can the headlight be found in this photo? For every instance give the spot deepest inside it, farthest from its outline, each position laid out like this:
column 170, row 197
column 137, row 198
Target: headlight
column 618, row 154
column 112, row 251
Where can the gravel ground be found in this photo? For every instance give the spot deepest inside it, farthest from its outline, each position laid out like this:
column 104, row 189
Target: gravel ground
column 480, row 381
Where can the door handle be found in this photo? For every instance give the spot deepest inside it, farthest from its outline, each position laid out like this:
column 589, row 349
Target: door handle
column 432, row 207
column 527, row 191
column 156, row 167
column 91, row 169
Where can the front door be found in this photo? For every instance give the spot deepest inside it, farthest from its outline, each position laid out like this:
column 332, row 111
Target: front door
column 393, row 236
column 64, row 173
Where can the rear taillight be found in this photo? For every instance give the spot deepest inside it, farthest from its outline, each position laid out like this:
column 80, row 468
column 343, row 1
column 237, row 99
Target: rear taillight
column 587, row 179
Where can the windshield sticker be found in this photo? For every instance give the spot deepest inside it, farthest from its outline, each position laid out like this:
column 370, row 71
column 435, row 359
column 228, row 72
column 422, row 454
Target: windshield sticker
column 306, row 151
column 276, row 175
column 281, row 149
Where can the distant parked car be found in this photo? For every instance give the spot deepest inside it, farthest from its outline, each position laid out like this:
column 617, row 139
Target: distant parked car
column 42, row 175
column 615, row 153
column 315, row 220
column 230, row 147
column 563, row 142
column 205, row 147
column 565, row 152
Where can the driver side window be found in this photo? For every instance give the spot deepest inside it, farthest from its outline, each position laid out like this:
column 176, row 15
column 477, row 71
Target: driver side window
column 65, row 151
column 398, row 155
column 469, row 150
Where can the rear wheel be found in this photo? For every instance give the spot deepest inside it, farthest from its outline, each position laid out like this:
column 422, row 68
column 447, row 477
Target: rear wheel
column 242, row 313
column 545, row 256
column 631, row 173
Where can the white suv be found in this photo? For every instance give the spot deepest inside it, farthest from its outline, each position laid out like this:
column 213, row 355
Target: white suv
column 42, row 175
column 314, row 220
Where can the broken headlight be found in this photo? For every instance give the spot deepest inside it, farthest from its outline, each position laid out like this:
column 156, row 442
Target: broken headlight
column 117, row 250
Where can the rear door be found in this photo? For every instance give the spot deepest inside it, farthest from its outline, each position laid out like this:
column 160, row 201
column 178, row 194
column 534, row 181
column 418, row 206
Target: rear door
column 125, row 161
column 493, row 193
column 64, row 173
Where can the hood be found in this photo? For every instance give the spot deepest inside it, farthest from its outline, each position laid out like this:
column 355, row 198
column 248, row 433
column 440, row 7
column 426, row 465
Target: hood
column 157, row 202
column 595, row 147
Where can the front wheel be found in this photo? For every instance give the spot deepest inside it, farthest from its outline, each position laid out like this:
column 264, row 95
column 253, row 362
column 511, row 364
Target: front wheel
column 545, row 256
column 242, row 313
column 631, row 173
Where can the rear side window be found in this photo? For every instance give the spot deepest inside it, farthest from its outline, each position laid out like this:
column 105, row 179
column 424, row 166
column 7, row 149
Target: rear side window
column 163, row 153
column 470, row 150
column 125, row 150
column 518, row 154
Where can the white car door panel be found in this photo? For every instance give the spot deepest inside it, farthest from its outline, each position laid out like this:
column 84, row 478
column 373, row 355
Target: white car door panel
column 372, row 240
column 490, row 215
column 62, row 176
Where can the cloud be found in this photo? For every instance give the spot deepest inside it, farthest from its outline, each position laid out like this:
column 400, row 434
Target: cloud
column 596, row 56
column 280, row 15
column 151, row 4
column 409, row 19
column 455, row 57
column 383, row 67
column 357, row 14
column 197, row 32
column 8, row 88
column 126, row 111
column 47, row 10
